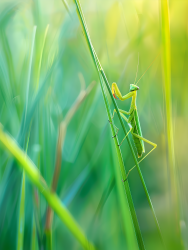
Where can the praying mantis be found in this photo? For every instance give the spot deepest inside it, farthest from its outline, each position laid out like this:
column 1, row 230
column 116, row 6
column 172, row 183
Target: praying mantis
column 132, row 121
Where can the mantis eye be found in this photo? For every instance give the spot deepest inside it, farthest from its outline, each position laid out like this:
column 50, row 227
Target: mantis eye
column 133, row 87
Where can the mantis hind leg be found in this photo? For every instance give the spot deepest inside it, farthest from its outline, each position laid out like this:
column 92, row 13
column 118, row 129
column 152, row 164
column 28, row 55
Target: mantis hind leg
column 147, row 141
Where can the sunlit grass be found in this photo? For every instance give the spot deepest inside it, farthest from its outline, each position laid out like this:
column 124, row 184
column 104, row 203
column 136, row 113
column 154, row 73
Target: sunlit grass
column 43, row 58
column 166, row 59
column 102, row 78
column 39, row 182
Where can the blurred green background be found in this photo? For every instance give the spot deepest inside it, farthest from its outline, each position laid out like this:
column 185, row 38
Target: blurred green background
column 120, row 31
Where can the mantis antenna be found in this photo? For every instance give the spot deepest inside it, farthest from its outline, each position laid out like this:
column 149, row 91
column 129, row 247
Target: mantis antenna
column 146, row 69
column 137, row 69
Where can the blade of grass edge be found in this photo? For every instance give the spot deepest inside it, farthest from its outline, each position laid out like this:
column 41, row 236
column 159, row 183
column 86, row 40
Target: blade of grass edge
column 20, row 236
column 33, row 236
column 52, row 199
column 166, row 60
column 22, row 199
column 134, row 157
column 98, row 67
column 123, row 204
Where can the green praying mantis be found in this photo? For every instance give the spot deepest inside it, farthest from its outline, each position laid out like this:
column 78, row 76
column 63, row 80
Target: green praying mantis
column 132, row 120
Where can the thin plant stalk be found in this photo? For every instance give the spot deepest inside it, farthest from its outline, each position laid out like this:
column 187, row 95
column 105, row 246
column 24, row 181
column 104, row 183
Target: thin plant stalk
column 41, row 55
column 166, row 60
column 103, row 76
column 52, row 199
column 21, row 215
column 123, row 204
column 33, row 236
column 22, row 196
column 60, row 142
column 126, row 185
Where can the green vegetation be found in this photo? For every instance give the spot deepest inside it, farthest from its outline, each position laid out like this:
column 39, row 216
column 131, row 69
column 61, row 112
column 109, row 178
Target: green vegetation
column 60, row 170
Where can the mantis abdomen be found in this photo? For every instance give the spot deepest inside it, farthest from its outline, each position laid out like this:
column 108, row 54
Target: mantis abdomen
column 136, row 129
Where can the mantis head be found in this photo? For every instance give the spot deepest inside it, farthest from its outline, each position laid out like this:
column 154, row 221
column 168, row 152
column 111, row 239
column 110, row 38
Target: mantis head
column 133, row 87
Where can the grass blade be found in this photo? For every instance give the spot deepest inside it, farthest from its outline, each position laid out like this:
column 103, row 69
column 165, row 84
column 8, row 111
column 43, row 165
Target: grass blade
column 29, row 72
column 109, row 187
column 52, row 199
column 33, row 238
column 60, row 142
column 41, row 55
column 48, row 239
column 99, row 68
column 166, row 59
column 124, row 206
column 134, row 157
column 22, row 200
column 21, row 215
column 102, row 74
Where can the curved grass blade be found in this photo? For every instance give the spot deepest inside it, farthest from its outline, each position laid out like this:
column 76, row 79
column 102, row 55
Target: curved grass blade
column 52, row 199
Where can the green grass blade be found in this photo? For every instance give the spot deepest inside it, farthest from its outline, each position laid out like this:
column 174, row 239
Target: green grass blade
column 30, row 65
column 166, row 59
column 21, row 215
column 98, row 67
column 22, row 200
column 5, row 16
column 52, row 199
column 108, row 189
column 48, row 240
column 33, row 237
column 124, row 206
column 129, row 198
column 41, row 55
column 134, row 156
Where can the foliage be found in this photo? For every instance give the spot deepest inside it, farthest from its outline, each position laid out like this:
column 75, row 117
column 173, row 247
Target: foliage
column 39, row 86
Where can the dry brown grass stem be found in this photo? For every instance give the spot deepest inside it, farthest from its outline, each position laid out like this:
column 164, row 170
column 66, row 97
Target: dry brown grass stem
column 61, row 137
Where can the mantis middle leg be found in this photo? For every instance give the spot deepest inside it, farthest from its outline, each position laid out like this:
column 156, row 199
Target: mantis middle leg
column 122, row 112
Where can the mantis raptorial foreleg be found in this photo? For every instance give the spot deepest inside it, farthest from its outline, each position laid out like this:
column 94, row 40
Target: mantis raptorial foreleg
column 147, row 141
